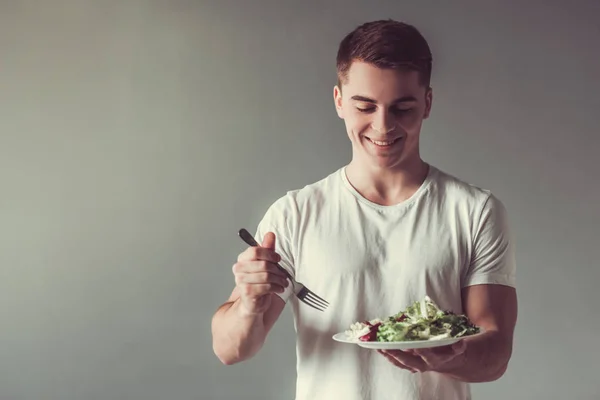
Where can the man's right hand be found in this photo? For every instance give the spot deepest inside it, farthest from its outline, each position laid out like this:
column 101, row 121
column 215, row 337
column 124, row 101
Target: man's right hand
column 257, row 276
column 241, row 325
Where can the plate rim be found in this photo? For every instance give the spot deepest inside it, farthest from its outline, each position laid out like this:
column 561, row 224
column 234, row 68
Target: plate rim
column 446, row 341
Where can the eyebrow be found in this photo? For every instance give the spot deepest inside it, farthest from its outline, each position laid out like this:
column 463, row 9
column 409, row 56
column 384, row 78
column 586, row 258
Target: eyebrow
column 403, row 99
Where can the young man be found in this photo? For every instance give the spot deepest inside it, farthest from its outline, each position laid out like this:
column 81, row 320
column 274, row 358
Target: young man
column 374, row 236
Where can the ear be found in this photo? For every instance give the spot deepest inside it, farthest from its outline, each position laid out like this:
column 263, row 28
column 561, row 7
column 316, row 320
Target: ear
column 428, row 102
column 337, row 99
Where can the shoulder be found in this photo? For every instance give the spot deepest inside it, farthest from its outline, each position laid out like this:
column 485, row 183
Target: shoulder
column 311, row 194
column 479, row 204
column 455, row 190
column 290, row 205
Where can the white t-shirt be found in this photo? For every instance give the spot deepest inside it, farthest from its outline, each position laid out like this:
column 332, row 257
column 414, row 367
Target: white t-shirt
column 370, row 261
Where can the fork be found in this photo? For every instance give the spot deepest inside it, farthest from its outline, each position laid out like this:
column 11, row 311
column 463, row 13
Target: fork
column 302, row 292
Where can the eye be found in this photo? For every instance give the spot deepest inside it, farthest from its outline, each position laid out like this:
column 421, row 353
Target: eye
column 365, row 110
column 402, row 110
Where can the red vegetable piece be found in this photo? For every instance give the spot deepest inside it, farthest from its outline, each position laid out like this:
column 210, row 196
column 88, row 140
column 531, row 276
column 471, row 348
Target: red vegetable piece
column 371, row 335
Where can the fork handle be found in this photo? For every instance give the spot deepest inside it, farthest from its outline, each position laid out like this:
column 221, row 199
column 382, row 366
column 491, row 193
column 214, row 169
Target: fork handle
column 249, row 239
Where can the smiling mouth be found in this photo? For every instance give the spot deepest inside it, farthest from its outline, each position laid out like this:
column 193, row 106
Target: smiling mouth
column 381, row 143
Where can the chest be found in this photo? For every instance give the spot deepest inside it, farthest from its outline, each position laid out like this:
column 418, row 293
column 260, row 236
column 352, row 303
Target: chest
column 401, row 252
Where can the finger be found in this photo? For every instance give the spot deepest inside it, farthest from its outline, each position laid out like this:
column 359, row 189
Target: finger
column 413, row 361
column 459, row 347
column 269, row 241
column 436, row 357
column 396, row 362
column 436, row 352
column 429, row 357
column 442, row 353
column 251, row 267
column 261, row 277
column 253, row 290
column 259, row 253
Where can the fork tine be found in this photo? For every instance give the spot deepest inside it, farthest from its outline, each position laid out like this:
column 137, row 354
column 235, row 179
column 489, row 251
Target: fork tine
column 312, row 299
column 318, row 297
column 310, row 303
column 315, row 299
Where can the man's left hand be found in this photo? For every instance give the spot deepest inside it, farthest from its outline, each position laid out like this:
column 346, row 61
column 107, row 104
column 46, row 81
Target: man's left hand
column 436, row 359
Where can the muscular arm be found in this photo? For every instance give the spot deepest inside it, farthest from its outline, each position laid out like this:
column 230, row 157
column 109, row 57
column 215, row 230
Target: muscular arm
column 238, row 336
column 493, row 307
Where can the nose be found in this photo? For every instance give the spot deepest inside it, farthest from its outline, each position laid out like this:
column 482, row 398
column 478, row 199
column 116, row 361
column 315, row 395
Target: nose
column 383, row 123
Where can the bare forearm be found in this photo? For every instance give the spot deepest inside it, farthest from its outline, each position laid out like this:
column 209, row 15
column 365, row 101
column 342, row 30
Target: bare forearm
column 484, row 360
column 236, row 336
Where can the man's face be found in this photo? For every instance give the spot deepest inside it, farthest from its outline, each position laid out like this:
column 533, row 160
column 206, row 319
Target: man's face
column 383, row 110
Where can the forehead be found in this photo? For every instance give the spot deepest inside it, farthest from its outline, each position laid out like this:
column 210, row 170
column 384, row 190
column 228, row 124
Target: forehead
column 369, row 80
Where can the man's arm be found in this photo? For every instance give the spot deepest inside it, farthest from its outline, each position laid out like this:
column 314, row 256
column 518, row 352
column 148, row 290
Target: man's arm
column 485, row 358
column 238, row 336
column 488, row 298
column 240, row 326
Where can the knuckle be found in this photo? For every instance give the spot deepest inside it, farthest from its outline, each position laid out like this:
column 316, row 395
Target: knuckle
column 265, row 277
column 238, row 280
column 254, row 252
column 277, row 271
column 245, row 289
column 263, row 265
column 270, row 255
column 248, row 254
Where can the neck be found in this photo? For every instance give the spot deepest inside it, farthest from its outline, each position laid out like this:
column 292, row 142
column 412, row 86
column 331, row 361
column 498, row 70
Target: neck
column 387, row 186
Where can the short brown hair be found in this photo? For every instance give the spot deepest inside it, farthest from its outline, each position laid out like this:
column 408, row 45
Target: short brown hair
column 385, row 44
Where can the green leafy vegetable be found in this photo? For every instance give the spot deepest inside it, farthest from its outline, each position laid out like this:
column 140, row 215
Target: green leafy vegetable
column 422, row 320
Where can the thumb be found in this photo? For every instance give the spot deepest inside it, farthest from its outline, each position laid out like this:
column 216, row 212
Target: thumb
column 459, row 347
column 269, row 240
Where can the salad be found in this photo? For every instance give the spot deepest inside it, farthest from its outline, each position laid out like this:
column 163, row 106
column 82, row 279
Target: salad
column 423, row 320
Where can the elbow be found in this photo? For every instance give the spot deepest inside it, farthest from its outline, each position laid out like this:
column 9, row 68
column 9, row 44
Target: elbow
column 495, row 371
column 230, row 352
column 234, row 354
column 484, row 375
column 226, row 358
column 493, row 375
column 227, row 361
column 499, row 373
column 224, row 352
column 501, row 369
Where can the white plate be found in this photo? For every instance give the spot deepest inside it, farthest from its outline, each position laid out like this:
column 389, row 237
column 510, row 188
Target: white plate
column 412, row 344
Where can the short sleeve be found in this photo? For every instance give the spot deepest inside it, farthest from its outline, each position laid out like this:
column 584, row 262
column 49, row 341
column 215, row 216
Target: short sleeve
column 493, row 255
column 278, row 219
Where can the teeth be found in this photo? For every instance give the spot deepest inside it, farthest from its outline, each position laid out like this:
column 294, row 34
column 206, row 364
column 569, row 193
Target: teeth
column 382, row 143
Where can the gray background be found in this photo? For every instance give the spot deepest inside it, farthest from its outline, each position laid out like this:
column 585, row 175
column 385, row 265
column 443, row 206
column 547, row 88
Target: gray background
column 137, row 137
